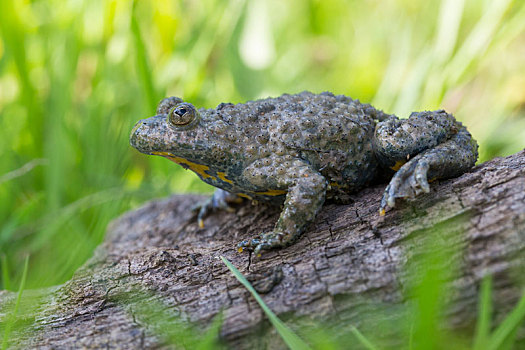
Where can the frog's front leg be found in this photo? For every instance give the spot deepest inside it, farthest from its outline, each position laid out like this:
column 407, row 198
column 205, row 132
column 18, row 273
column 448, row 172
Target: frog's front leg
column 428, row 145
column 306, row 190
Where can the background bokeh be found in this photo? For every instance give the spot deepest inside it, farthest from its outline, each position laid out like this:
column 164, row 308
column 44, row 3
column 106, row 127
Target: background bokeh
column 76, row 75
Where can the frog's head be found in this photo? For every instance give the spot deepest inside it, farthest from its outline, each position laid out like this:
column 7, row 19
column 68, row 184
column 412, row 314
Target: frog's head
column 175, row 132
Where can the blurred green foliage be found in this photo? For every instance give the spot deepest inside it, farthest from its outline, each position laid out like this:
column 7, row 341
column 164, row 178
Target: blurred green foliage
column 76, row 75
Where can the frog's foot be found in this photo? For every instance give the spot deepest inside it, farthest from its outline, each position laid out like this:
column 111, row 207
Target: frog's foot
column 221, row 200
column 269, row 240
column 409, row 181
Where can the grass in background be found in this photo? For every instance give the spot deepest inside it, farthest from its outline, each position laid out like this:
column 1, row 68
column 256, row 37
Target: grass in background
column 76, row 75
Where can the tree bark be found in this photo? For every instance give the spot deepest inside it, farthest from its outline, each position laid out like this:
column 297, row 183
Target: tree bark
column 349, row 261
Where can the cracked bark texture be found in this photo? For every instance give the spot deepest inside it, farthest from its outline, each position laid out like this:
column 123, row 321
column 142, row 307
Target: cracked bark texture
column 349, row 260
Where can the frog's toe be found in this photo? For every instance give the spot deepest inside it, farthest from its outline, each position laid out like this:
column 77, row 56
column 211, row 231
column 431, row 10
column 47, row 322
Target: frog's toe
column 267, row 241
column 248, row 243
column 409, row 181
column 203, row 209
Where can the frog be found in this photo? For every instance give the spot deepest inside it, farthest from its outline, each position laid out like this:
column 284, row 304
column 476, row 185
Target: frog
column 301, row 150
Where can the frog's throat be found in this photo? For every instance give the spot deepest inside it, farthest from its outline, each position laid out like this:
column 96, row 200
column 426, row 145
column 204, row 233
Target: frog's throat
column 202, row 171
column 199, row 169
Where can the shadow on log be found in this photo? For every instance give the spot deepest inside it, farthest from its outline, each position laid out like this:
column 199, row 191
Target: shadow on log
column 349, row 259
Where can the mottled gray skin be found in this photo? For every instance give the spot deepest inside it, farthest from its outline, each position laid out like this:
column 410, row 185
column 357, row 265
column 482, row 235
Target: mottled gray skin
column 303, row 149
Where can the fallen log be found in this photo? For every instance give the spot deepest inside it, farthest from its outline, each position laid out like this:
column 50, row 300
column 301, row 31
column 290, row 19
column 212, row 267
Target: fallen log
column 349, row 259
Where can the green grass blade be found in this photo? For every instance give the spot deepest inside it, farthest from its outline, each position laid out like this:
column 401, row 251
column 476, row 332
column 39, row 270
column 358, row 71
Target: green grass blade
column 22, row 170
column 142, row 62
column 13, row 35
column 478, row 40
column 362, row 339
column 411, row 337
column 508, row 327
column 209, row 339
column 290, row 338
column 6, row 282
column 450, row 14
column 12, row 319
column 484, row 314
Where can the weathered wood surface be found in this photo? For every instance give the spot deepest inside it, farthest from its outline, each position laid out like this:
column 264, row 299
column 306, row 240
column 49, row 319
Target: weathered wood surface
column 348, row 256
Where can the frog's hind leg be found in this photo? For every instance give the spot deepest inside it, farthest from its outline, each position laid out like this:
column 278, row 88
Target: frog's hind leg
column 436, row 146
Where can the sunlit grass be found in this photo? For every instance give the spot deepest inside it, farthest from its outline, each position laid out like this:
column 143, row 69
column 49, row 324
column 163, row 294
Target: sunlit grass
column 504, row 336
column 483, row 323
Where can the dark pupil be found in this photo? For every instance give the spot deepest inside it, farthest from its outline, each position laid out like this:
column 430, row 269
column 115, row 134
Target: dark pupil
column 181, row 111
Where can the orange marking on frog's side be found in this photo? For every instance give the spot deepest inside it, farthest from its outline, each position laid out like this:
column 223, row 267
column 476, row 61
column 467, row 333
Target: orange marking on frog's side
column 244, row 196
column 221, row 175
column 272, row 193
column 398, row 165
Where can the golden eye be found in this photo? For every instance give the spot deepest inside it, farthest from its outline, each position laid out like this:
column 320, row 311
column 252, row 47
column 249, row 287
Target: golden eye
column 182, row 114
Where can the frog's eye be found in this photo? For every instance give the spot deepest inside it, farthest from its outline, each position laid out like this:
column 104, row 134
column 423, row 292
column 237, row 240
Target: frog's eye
column 182, row 114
